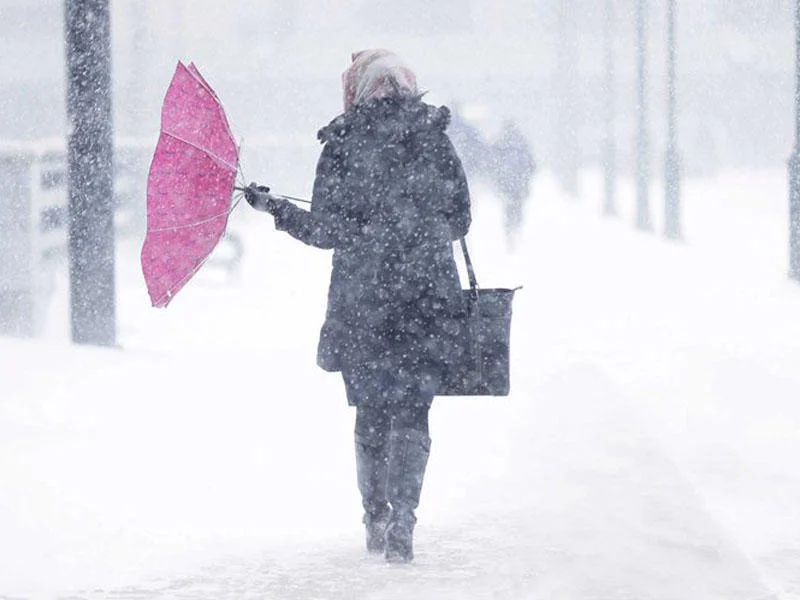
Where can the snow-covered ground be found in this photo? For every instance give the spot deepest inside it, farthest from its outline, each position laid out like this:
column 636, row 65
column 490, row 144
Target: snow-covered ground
column 648, row 450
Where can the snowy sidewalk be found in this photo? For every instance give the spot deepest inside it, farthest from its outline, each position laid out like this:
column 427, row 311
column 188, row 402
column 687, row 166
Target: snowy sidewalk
column 576, row 503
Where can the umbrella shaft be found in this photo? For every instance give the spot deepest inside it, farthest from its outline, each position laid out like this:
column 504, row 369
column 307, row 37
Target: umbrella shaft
column 276, row 196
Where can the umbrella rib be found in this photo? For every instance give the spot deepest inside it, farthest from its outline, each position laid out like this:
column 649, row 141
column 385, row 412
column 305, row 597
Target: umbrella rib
column 179, row 284
column 195, row 224
column 203, row 150
column 188, row 276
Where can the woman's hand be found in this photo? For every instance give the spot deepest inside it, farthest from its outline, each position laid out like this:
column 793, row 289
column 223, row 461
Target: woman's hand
column 258, row 197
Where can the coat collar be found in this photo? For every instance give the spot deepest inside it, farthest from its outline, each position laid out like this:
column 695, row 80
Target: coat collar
column 416, row 114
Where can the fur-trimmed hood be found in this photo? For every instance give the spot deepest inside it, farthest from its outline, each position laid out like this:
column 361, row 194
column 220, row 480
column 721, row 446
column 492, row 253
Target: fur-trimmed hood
column 397, row 117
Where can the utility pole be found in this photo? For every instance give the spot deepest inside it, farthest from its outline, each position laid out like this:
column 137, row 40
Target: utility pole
column 138, row 71
column 642, row 142
column 672, row 164
column 90, row 177
column 609, row 152
column 567, row 146
column 794, row 165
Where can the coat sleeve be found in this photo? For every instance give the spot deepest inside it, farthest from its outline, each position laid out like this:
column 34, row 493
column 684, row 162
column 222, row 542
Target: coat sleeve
column 456, row 190
column 326, row 225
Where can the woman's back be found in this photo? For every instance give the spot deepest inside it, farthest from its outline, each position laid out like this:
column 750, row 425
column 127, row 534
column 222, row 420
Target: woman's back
column 398, row 181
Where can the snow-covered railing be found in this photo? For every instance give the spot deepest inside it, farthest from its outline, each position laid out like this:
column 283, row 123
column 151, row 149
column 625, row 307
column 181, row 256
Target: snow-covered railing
column 31, row 207
column 33, row 220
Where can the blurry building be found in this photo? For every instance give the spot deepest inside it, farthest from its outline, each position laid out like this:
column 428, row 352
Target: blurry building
column 277, row 66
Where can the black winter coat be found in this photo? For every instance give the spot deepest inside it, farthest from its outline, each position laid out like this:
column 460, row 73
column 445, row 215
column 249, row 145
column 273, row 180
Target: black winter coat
column 389, row 198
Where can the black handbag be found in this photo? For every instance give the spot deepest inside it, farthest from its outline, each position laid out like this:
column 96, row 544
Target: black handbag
column 479, row 363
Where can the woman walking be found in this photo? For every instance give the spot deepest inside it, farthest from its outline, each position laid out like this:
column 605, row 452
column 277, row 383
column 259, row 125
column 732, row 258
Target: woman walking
column 389, row 198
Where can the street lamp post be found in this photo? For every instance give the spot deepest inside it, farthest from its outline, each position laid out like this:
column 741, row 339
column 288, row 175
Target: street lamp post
column 642, row 142
column 568, row 156
column 672, row 165
column 609, row 157
column 90, row 179
column 794, row 167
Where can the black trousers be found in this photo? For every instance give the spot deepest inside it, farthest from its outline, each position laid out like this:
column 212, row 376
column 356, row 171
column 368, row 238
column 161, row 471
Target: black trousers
column 389, row 399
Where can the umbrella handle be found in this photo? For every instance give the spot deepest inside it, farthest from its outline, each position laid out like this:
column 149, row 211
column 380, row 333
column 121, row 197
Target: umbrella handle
column 278, row 196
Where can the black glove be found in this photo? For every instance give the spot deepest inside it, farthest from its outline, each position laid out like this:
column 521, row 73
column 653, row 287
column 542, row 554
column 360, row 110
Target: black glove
column 258, row 197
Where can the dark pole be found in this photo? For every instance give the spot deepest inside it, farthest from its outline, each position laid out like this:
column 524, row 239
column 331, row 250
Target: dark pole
column 794, row 166
column 567, row 89
column 642, row 166
column 672, row 165
column 609, row 157
column 139, row 58
column 90, row 172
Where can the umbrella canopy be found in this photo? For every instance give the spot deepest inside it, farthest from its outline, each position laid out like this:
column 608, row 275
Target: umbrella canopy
column 190, row 185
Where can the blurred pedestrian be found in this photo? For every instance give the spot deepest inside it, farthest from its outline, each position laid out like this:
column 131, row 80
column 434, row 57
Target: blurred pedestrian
column 389, row 198
column 513, row 167
column 470, row 144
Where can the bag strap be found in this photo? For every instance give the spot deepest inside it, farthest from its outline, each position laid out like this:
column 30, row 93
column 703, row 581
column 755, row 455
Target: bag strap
column 473, row 312
column 473, row 283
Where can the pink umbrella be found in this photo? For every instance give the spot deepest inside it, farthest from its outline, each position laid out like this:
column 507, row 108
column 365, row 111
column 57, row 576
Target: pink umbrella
column 190, row 186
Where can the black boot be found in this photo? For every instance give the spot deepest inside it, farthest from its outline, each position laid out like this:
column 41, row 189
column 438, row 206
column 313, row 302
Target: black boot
column 372, row 467
column 408, row 456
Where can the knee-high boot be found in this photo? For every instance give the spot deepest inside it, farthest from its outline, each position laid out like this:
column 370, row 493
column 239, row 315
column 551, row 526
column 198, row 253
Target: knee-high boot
column 408, row 456
column 372, row 467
